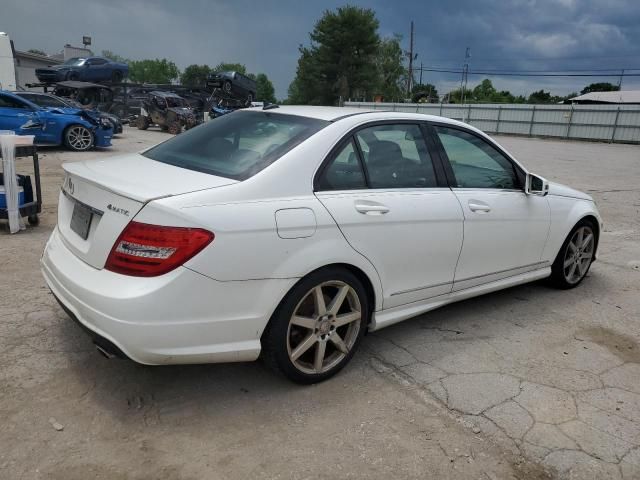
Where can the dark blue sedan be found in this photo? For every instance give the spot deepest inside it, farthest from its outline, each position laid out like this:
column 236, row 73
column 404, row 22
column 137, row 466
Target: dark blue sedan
column 75, row 128
column 90, row 69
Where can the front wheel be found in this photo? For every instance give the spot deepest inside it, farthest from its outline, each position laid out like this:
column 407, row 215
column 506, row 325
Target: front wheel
column 226, row 86
column 142, row 122
column 78, row 138
column 317, row 327
column 575, row 257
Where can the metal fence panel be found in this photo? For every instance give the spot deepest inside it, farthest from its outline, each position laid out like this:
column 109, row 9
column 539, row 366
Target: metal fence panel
column 612, row 123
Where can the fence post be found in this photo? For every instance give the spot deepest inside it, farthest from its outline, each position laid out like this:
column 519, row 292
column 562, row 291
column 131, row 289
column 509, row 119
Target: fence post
column 570, row 118
column 440, row 114
column 533, row 114
column 615, row 126
column 498, row 121
column 469, row 115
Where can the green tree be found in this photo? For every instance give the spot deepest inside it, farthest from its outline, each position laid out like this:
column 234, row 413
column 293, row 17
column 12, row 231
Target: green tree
column 424, row 93
column 114, row 56
column 195, row 75
column 600, row 87
column 264, row 89
column 391, row 71
column 341, row 59
column 540, row 97
column 153, row 71
column 230, row 67
column 37, row 51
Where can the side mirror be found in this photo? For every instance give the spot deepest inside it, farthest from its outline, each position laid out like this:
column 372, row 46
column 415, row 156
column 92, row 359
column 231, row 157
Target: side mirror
column 535, row 185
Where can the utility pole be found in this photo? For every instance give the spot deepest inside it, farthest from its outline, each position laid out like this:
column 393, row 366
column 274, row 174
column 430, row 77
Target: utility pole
column 463, row 79
column 420, row 73
column 620, row 81
column 410, row 79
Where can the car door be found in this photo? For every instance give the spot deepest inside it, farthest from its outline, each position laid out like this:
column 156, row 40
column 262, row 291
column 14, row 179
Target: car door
column 389, row 197
column 505, row 230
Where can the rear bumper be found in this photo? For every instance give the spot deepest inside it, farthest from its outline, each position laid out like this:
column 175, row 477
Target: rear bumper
column 180, row 317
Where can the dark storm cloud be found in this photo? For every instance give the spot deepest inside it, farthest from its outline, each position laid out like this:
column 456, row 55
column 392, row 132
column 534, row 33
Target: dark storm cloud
column 264, row 35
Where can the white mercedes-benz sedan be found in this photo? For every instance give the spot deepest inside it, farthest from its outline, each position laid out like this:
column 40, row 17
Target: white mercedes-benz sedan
column 289, row 232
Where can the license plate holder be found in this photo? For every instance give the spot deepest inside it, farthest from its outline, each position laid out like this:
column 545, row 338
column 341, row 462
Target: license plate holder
column 81, row 220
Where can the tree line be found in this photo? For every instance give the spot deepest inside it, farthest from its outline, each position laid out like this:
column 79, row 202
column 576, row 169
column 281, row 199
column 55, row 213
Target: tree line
column 166, row 71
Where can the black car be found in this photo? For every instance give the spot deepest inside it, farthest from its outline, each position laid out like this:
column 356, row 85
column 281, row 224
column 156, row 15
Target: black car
column 233, row 84
column 49, row 100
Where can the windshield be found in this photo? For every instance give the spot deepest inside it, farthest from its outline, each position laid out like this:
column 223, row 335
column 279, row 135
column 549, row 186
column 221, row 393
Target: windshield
column 237, row 145
column 175, row 102
column 75, row 61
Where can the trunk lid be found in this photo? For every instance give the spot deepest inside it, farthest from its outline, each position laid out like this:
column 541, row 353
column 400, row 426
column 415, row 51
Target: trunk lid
column 100, row 197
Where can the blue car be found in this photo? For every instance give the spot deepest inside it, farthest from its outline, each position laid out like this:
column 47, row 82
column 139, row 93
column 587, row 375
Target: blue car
column 75, row 128
column 90, row 69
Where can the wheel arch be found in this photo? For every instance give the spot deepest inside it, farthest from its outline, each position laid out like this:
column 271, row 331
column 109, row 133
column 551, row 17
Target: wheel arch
column 359, row 274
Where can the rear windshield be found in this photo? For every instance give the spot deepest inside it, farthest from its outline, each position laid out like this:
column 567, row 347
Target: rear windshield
column 237, row 145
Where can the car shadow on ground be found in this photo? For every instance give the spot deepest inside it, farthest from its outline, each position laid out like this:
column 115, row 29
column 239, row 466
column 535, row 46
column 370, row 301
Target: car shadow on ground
column 180, row 392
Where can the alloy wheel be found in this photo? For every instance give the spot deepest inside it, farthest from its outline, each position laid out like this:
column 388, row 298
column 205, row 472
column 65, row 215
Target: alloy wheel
column 79, row 138
column 578, row 255
column 324, row 327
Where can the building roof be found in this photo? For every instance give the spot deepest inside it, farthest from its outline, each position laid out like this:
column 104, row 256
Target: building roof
column 35, row 56
column 624, row 96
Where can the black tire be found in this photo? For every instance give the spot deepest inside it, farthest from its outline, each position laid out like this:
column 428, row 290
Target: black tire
column 116, row 76
column 174, row 128
column 33, row 220
column 142, row 122
column 277, row 348
column 72, row 76
column 250, row 98
column 78, row 138
column 227, row 87
column 559, row 277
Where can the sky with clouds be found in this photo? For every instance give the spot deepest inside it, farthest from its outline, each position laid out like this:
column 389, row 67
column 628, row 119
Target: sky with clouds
column 265, row 34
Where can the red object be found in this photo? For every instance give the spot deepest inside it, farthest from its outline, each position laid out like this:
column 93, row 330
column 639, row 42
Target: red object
column 144, row 250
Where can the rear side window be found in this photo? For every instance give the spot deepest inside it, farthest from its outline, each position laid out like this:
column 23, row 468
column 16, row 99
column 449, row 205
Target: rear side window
column 344, row 172
column 237, row 145
column 396, row 156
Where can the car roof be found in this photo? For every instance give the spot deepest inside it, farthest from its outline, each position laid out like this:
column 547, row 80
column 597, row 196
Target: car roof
column 13, row 95
column 162, row 93
column 333, row 114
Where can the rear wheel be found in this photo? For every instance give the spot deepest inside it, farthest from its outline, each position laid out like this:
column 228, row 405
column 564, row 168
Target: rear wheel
column 72, row 76
column 174, row 128
column 116, row 76
column 317, row 327
column 78, row 138
column 575, row 257
column 226, row 86
column 142, row 123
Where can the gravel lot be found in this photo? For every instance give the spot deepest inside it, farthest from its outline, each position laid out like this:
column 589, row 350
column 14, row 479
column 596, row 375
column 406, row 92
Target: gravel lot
column 526, row 383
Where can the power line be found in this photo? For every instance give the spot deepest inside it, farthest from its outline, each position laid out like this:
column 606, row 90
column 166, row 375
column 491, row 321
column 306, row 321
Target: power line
column 520, row 74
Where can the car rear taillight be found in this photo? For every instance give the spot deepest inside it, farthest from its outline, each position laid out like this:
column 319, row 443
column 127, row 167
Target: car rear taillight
column 144, row 250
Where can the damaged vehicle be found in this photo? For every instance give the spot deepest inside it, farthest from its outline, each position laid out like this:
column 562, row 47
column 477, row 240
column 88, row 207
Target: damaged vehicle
column 167, row 110
column 90, row 69
column 234, row 84
column 53, row 101
column 75, row 128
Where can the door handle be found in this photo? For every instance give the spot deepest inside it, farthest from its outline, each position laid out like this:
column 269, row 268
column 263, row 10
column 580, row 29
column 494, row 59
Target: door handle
column 371, row 208
column 476, row 206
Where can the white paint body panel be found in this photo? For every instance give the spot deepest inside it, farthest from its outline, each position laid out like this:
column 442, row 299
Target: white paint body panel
column 273, row 229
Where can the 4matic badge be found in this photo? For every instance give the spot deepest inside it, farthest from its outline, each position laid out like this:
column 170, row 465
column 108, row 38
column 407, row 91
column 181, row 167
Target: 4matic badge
column 115, row 209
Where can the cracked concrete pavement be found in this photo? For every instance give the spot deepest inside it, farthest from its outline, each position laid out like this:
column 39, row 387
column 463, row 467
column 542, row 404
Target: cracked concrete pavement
column 526, row 383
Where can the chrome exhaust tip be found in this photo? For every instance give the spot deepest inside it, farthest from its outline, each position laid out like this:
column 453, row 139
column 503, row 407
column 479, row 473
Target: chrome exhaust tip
column 105, row 353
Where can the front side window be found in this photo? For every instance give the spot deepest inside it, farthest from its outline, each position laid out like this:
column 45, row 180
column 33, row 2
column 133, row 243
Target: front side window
column 396, row 156
column 45, row 101
column 475, row 163
column 237, row 145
